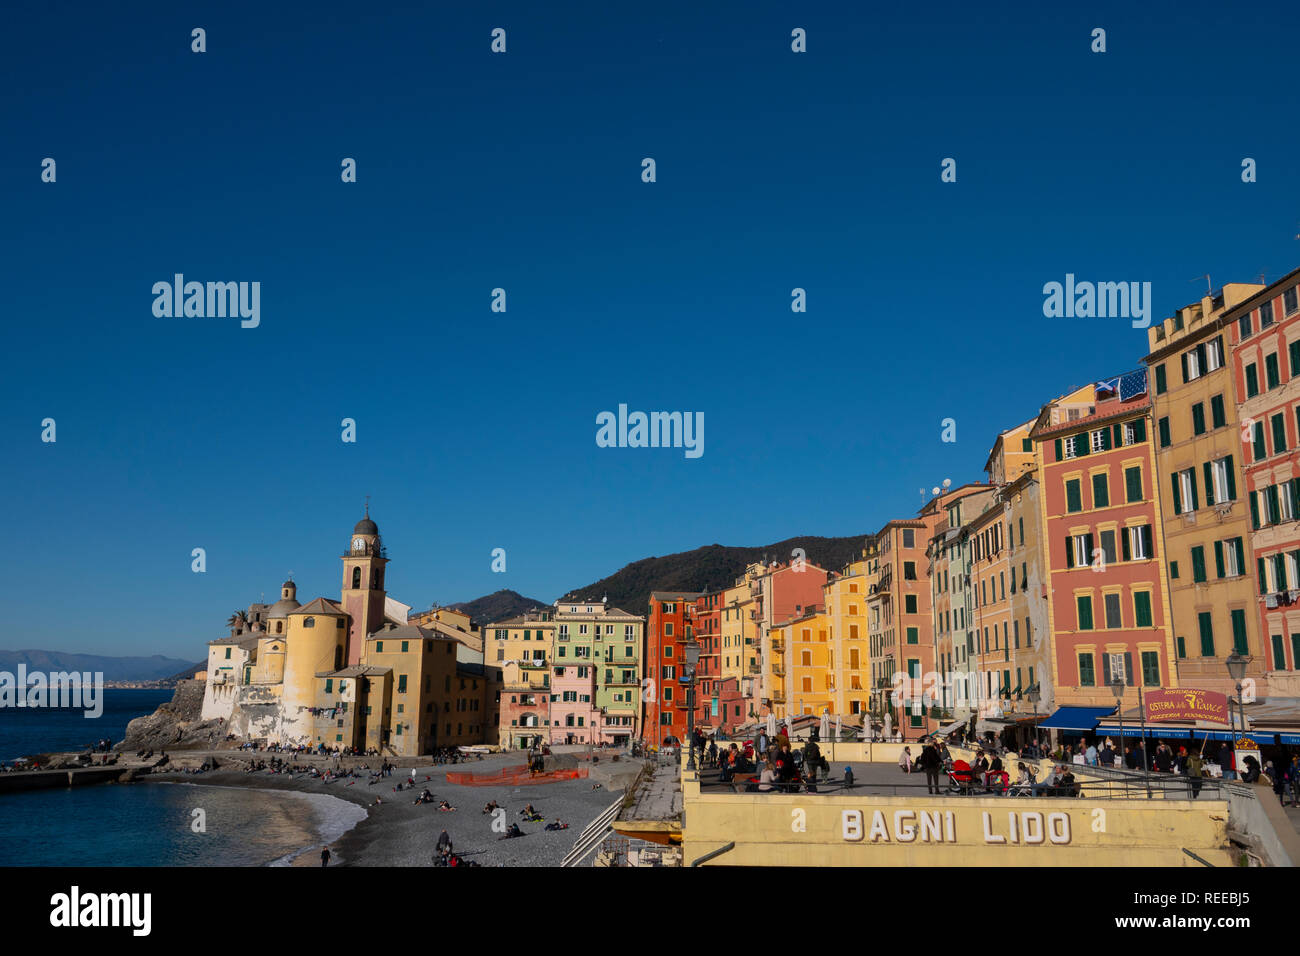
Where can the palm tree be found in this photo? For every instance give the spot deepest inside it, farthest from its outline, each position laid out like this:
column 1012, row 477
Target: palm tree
column 237, row 622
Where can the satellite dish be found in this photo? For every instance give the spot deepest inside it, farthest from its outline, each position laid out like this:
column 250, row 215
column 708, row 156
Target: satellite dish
column 947, row 482
column 935, row 491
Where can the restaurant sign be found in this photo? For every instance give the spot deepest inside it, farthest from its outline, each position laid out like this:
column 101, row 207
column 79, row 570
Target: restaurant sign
column 1187, row 705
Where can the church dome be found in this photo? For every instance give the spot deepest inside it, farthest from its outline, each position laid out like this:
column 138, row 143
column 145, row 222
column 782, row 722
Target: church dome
column 282, row 607
column 365, row 526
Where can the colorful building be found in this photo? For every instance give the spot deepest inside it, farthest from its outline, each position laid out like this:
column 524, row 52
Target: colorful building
column 1264, row 336
column 611, row 640
column 1100, row 514
column 1206, row 514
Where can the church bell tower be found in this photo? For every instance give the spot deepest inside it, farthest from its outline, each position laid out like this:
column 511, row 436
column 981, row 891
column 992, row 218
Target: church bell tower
column 363, row 585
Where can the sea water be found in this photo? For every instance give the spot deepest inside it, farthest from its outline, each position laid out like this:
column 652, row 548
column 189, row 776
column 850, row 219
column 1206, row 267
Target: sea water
column 154, row 824
column 149, row 823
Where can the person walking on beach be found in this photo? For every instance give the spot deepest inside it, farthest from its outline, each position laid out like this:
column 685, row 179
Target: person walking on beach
column 325, row 857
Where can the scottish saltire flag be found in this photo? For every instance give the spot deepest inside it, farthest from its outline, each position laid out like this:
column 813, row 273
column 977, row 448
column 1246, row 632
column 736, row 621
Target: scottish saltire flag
column 1107, row 387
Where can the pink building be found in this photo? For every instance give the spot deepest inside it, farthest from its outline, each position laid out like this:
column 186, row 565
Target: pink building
column 574, row 715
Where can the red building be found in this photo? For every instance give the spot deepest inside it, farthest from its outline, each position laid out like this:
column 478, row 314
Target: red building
column 663, row 695
column 1264, row 332
column 707, row 625
column 1108, row 594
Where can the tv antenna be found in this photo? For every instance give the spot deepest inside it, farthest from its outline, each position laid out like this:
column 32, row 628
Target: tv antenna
column 1209, row 287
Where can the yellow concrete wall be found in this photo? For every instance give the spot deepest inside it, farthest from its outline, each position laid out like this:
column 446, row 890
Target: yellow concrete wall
column 834, row 830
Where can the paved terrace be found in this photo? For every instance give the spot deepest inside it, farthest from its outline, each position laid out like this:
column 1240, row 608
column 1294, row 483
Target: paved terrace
column 887, row 780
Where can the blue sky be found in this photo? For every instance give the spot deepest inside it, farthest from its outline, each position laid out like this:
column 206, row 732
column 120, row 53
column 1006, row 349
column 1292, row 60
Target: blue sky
column 476, row 430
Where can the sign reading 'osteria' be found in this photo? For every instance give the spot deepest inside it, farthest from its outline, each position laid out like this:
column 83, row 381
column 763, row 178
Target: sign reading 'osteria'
column 1188, row 705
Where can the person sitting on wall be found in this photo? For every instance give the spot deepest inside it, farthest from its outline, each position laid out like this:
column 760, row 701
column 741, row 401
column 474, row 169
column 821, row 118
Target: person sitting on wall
column 766, row 782
column 905, row 760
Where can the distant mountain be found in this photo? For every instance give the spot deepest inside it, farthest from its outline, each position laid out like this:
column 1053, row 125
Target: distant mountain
column 497, row 606
column 711, row 567
column 156, row 667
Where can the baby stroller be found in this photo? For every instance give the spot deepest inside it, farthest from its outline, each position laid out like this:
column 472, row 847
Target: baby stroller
column 960, row 778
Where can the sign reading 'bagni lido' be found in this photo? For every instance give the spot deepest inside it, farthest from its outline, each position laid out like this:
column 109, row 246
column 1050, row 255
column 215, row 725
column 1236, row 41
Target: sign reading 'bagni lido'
column 1187, row 704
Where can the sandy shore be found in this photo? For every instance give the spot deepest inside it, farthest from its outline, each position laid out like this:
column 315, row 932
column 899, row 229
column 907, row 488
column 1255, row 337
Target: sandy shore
column 397, row 832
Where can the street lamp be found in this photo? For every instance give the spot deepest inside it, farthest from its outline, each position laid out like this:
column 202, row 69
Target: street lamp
column 1034, row 697
column 1117, row 688
column 692, row 651
column 1237, row 671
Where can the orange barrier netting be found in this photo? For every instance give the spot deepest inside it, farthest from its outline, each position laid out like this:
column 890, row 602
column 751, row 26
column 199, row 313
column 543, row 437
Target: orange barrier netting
column 513, row 776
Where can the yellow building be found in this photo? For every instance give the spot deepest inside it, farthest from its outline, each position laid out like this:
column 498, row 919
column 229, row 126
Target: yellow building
column 1206, row 520
column 527, row 637
column 316, row 636
column 1031, row 652
column 739, row 632
column 850, row 650
column 423, row 666
column 801, row 665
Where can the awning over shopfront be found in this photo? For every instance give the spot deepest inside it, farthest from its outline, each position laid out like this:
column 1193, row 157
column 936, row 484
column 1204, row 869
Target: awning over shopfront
column 945, row 731
column 1076, row 718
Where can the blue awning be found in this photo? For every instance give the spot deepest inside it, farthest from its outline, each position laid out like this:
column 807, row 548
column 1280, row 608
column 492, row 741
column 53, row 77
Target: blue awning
column 1290, row 740
column 1212, row 735
column 1076, row 718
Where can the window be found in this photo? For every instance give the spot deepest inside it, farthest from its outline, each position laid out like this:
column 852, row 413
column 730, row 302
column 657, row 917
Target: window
column 1230, row 558
column 1142, row 608
column 1073, row 496
column 909, row 603
column 1289, row 304
column 1162, row 426
column 1217, row 415
column 1184, row 484
column 1239, row 631
column 1191, row 365
column 1270, row 370
column 1133, row 483
column 1266, row 315
column 1161, row 386
column 1087, row 671
column 1078, row 552
column 1220, row 485
column 1084, row 605
column 1206, row 625
column 909, row 538
column 1072, row 447
column 1135, row 432
column 1151, row 668
column 1100, row 491
column 1252, row 380
column 1279, row 433
column 1138, row 543
column 909, row 570
column 1198, row 564
column 1100, row 440
column 1214, row 354
column 1108, row 553
column 913, row 635
column 1113, row 616
column 1198, row 419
